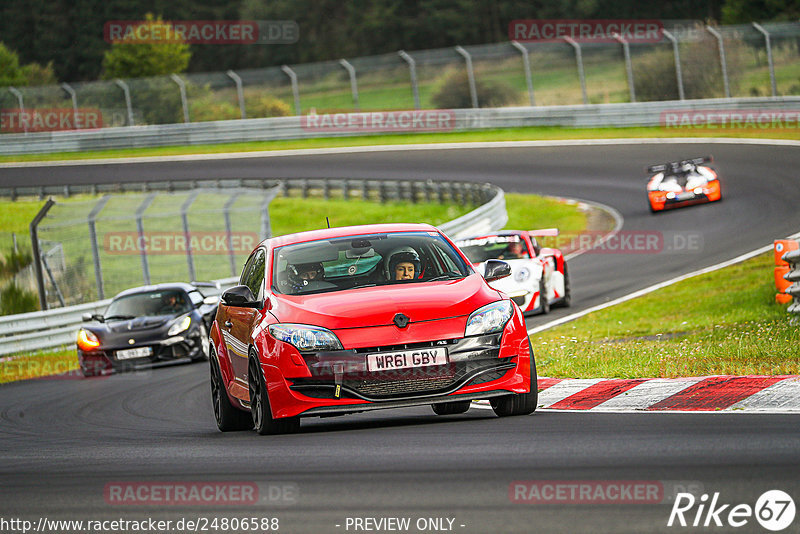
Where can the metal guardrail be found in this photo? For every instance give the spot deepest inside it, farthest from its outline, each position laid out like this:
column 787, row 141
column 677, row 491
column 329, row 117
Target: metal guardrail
column 57, row 327
column 793, row 259
column 286, row 128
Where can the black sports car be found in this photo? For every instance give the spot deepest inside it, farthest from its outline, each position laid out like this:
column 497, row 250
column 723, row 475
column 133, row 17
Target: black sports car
column 147, row 326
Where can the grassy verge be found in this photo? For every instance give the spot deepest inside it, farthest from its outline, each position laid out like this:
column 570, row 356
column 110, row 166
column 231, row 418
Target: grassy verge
column 295, row 214
column 725, row 322
column 510, row 134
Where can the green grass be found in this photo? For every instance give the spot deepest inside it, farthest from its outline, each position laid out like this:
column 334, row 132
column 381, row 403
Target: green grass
column 39, row 364
column 725, row 322
column 509, row 134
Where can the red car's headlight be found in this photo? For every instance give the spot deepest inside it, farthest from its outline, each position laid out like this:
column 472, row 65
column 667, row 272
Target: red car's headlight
column 490, row 318
column 306, row 337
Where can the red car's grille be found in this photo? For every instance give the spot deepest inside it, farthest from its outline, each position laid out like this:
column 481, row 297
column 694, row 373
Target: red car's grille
column 473, row 360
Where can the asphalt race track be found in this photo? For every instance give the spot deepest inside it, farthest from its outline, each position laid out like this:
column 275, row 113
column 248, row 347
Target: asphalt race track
column 66, row 442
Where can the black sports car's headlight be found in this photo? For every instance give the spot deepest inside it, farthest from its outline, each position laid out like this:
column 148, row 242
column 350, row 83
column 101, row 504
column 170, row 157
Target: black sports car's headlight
column 306, row 337
column 180, row 326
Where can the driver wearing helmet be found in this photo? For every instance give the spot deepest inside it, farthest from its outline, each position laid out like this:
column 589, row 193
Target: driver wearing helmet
column 403, row 264
column 302, row 274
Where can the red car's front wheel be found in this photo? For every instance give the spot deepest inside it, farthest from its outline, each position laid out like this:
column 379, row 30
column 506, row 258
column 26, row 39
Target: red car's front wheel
column 263, row 422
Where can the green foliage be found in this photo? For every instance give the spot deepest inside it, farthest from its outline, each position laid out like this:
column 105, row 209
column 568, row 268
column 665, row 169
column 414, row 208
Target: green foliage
column 14, row 299
column 131, row 59
column 10, row 71
column 655, row 77
column 36, row 74
column 452, row 92
column 745, row 11
column 210, row 108
column 266, row 106
column 15, row 261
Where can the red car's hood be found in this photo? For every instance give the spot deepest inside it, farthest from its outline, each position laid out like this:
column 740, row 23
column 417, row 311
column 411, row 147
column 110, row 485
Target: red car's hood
column 374, row 306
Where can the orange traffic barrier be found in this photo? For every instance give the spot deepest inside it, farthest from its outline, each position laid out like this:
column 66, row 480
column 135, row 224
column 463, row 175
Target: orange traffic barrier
column 781, row 247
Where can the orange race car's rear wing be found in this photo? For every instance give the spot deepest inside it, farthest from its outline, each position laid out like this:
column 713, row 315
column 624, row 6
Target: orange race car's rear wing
column 676, row 166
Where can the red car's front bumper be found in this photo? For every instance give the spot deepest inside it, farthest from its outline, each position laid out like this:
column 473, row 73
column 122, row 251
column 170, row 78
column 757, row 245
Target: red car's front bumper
column 479, row 367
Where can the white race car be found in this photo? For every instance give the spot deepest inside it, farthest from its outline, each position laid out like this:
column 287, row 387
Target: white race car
column 539, row 277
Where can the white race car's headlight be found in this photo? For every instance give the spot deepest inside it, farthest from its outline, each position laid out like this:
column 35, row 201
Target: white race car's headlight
column 522, row 275
column 180, row 326
column 670, row 195
column 490, row 318
column 305, row 337
column 698, row 190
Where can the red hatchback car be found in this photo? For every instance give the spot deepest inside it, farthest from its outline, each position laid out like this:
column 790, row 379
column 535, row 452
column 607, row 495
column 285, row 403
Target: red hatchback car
column 344, row 320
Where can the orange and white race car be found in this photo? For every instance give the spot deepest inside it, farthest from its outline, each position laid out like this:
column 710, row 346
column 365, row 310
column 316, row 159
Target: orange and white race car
column 682, row 183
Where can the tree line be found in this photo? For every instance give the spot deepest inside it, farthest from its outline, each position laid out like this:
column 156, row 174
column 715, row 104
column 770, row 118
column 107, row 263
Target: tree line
column 68, row 34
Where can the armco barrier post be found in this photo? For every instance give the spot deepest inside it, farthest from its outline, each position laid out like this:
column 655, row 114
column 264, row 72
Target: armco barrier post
column 782, row 268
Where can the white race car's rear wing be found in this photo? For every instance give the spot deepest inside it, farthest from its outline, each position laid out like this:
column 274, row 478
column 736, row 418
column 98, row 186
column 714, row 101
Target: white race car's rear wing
column 677, row 166
column 544, row 232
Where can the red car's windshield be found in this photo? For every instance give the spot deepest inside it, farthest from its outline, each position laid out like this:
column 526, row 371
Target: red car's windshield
column 365, row 260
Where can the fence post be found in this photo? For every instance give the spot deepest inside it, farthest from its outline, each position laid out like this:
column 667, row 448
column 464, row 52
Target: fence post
column 15, row 92
column 266, row 225
column 351, row 71
column 526, row 64
column 36, row 253
column 628, row 65
column 227, row 212
column 412, row 67
column 186, row 234
column 723, row 64
column 124, row 86
column 182, row 87
column 140, row 230
column 579, row 61
column 74, row 97
column 295, row 89
column 98, row 271
column 239, row 91
column 677, row 55
column 764, row 32
column 473, row 92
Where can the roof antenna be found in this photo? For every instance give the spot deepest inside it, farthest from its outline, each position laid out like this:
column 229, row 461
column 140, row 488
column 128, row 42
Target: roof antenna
column 327, row 221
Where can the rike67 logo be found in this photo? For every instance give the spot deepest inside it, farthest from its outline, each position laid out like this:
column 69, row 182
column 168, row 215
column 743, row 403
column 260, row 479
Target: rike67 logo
column 774, row 510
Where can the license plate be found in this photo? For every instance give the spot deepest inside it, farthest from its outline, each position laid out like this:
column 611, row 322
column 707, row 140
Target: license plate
column 684, row 196
column 139, row 352
column 405, row 359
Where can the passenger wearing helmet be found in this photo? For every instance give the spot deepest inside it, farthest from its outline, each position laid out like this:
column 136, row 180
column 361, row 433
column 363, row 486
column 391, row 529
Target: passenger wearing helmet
column 302, row 274
column 403, row 264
